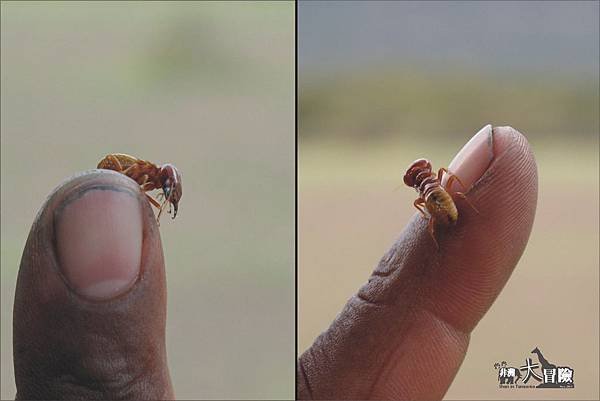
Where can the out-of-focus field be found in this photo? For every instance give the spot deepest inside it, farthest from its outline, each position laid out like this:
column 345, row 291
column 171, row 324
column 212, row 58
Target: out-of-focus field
column 349, row 218
column 358, row 133
column 208, row 87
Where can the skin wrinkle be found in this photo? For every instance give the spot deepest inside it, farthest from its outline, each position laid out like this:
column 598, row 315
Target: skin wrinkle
column 373, row 303
column 405, row 325
column 304, row 380
column 411, row 292
column 410, row 277
column 378, row 290
column 118, row 365
column 65, row 361
column 451, row 337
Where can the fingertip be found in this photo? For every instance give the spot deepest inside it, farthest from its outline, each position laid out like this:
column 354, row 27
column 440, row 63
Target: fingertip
column 472, row 160
column 507, row 140
column 480, row 253
column 92, row 281
column 421, row 301
column 98, row 222
column 476, row 256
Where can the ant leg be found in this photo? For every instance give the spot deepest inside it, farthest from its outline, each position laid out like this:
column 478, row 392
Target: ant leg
column 153, row 201
column 131, row 170
column 147, row 186
column 463, row 196
column 160, row 210
column 158, row 206
column 440, row 172
column 431, row 229
column 451, row 179
column 417, row 203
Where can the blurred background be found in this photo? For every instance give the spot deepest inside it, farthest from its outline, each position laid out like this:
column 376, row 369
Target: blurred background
column 383, row 83
column 208, row 87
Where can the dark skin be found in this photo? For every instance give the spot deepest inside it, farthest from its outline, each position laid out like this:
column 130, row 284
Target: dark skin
column 70, row 347
column 405, row 333
column 420, row 302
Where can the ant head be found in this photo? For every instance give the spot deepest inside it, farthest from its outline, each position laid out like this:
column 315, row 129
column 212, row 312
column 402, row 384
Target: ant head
column 171, row 185
column 414, row 169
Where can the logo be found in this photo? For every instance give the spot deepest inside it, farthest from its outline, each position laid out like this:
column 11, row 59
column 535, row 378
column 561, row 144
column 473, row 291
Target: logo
column 541, row 374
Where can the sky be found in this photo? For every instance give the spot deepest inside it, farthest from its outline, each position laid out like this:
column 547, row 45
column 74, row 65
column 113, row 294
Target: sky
column 560, row 38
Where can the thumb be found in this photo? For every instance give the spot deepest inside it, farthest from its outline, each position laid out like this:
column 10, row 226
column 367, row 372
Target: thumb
column 406, row 331
column 89, row 312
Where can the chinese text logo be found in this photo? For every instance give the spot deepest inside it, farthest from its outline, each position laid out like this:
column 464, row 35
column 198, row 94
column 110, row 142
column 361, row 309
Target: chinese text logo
column 542, row 374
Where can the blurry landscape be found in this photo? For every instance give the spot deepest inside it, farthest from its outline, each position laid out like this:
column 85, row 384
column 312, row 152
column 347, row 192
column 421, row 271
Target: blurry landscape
column 208, row 87
column 381, row 84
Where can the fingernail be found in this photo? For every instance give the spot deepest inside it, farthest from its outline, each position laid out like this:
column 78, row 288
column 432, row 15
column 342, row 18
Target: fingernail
column 99, row 241
column 473, row 159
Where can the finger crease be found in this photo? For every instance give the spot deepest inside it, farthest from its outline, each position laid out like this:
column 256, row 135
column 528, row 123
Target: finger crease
column 363, row 298
column 305, row 379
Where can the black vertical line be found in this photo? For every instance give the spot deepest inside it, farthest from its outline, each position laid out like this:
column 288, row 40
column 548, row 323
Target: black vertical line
column 296, row 194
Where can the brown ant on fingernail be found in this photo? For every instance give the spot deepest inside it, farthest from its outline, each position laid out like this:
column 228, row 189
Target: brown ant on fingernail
column 433, row 196
column 149, row 176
